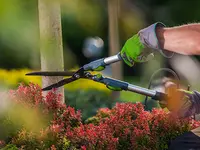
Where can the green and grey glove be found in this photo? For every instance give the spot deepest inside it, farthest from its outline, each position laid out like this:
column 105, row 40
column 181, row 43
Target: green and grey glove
column 141, row 47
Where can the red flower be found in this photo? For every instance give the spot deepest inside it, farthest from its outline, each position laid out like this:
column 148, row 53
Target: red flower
column 53, row 147
column 83, row 147
column 2, row 143
column 56, row 128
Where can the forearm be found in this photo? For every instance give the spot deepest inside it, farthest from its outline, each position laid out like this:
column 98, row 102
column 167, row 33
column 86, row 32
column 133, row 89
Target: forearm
column 183, row 39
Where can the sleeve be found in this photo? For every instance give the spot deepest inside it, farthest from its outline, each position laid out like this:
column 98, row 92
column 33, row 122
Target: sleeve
column 195, row 99
column 191, row 105
column 149, row 38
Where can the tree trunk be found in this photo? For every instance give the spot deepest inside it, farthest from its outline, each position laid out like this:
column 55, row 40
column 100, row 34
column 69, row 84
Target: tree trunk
column 51, row 47
column 114, row 46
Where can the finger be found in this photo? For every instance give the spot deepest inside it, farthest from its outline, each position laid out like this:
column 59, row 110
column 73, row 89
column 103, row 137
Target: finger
column 127, row 60
column 131, row 61
column 150, row 57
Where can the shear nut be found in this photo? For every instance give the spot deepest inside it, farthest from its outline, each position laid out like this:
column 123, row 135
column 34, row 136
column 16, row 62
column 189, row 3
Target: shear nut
column 77, row 76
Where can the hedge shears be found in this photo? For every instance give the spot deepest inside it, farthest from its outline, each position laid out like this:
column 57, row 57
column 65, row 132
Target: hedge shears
column 99, row 65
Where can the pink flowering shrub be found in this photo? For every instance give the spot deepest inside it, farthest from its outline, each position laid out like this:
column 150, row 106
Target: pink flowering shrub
column 58, row 118
column 31, row 96
column 93, row 137
column 136, row 128
column 125, row 126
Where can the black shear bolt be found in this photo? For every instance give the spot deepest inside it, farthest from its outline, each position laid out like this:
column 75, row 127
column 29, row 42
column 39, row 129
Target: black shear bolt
column 77, row 76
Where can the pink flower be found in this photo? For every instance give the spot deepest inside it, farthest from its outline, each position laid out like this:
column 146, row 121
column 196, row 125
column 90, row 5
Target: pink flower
column 2, row 143
column 56, row 128
column 83, row 147
column 53, row 147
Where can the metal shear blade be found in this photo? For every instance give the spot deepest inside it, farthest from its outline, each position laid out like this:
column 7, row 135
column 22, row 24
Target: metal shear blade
column 51, row 73
column 59, row 84
column 78, row 74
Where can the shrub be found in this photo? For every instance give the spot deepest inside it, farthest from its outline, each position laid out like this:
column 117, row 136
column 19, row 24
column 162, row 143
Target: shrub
column 93, row 137
column 136, row 128
column 125, row 126
column 43, row 120
column 89, row 101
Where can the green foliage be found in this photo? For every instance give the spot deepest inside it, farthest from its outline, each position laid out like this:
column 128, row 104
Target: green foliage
column 66, row 144
column 89, row 101
column 8, row 127
column 94, row 120
column 10, row 147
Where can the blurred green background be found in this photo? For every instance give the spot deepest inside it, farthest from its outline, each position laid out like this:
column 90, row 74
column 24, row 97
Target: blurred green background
column 19, row 41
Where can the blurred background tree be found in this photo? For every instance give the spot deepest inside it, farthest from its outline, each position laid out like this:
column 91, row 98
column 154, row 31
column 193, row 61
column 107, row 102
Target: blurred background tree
column 18, row 34
column 19, row 31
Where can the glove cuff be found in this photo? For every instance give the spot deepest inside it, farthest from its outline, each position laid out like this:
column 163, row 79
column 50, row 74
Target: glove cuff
column 149, row 38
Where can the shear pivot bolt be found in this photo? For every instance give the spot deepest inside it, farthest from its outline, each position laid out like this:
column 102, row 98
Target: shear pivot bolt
column 77, row 76
column 87, row 74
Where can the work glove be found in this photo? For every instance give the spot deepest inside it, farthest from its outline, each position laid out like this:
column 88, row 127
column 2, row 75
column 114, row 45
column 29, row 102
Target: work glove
column 181, row 102
column 141, row 47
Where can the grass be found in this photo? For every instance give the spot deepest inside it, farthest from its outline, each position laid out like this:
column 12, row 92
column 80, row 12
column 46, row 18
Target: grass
column 128, row 96
column 131, row 97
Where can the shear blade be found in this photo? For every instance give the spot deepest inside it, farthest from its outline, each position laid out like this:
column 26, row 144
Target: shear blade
column 59, row 84
column 51, row 73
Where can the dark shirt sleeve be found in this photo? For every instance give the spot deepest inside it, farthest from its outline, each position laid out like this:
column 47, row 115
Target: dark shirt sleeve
column 195, row 99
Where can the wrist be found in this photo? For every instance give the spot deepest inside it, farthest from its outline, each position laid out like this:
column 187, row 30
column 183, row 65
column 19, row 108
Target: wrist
column 153, row 37
column 148, row 35
column 160, row 36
